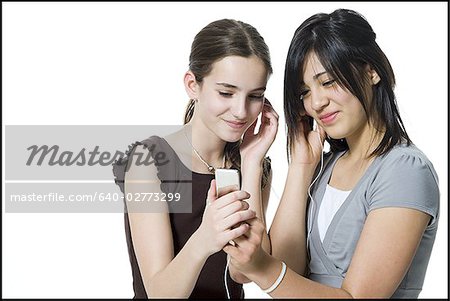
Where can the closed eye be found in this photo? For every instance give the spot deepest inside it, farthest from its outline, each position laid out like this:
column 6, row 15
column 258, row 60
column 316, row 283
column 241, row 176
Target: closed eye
column 225, row 94
column 328, row 83
column 304, row 94
column 257, row 97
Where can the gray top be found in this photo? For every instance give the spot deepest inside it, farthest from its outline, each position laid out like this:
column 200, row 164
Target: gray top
column 404, row 177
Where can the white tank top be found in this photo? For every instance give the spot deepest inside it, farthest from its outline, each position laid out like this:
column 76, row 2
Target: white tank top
column 332, row 201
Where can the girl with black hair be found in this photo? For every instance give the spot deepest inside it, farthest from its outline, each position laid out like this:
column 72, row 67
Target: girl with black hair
column 360, row 220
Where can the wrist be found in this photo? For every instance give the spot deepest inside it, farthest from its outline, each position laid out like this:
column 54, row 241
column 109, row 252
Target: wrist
column 251, row 166
column 269, row 279
column 302, row 168
column 251, row 162
column 236, row 275
column 266, row 272
column 278, row 280
column 198, row 247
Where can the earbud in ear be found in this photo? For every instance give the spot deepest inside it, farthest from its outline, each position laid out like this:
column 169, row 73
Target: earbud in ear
column 375, row 77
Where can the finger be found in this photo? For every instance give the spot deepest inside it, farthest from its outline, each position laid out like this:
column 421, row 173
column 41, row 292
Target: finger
column 305, row 125
column 245, row 205
column 236, row 218
column 231, row 197
column 232, row 234
column 229, row 209
column 251, row 129
column 211, row 197
column 253, row 221
column 269, row 108
column 226, row 190
column 247, row 246
column 256, row 224
column 272, row 116
column 322, row 133
column 242, row 240
column 270, row 124
column 256, row 231
column 232, row 251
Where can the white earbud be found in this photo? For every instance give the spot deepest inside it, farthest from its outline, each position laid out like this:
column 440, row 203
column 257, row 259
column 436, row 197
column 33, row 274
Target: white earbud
column 312, row 183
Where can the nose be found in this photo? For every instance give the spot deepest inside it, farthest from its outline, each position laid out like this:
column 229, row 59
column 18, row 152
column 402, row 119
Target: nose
column 239, row 108
column 319, row 99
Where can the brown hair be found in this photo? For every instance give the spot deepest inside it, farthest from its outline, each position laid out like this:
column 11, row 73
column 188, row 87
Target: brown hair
column 215, row 41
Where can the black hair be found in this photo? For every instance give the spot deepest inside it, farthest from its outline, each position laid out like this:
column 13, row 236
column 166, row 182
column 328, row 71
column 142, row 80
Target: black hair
column 344, row 43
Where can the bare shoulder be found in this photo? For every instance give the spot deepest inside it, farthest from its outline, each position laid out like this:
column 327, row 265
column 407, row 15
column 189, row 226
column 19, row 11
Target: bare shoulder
column 179, row 143
column 137, row 169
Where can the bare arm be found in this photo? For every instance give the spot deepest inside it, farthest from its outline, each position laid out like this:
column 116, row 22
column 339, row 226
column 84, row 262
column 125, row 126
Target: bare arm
column 258, row 202
column 253, row 150
column 288, row 229
column 251, row 182
column 162, row 274
column 385, row 250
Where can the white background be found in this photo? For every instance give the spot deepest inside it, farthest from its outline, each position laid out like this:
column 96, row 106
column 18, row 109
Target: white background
column 123, row 63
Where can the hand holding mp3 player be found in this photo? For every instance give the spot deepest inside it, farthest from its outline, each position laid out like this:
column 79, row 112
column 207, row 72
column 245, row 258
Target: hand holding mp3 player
column 227, row 181
column 225, row 213
column 226, row 177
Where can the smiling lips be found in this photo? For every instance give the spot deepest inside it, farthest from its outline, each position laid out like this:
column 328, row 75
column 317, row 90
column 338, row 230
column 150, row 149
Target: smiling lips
column 236, row 124
column 328, row 118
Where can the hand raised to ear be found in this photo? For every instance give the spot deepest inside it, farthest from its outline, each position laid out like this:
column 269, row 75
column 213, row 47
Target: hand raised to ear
column 254, row 146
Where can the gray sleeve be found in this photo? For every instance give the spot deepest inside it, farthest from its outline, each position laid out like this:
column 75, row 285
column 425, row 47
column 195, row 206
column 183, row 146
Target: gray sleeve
column 406, row 180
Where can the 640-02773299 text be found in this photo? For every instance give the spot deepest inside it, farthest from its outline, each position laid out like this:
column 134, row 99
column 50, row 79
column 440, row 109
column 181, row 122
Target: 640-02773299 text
column 97, row 197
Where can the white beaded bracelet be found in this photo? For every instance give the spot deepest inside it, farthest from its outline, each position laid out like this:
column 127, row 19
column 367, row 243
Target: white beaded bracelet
column 278, row 281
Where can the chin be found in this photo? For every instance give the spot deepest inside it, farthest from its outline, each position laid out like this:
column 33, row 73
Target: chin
column 231, row 136
column 336, row 137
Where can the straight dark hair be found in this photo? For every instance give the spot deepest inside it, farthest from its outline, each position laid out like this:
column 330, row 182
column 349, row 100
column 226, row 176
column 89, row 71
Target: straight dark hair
column 217, row 40
column 344, row 43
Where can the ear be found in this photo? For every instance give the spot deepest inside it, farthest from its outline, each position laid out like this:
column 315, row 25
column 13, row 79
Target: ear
column 373, row 75
column 190, row 85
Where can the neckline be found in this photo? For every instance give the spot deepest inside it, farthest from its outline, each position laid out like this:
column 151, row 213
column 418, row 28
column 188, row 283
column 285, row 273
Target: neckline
column 333, row 164
column 338, row 190
column 184, row 165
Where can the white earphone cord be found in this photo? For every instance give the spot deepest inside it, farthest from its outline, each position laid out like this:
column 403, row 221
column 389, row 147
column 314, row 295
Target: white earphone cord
column 225, row 277
column 309, row 192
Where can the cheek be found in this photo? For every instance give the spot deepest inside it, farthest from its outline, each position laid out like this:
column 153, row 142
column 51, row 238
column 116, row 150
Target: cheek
column 361, row 115
column 213, row 106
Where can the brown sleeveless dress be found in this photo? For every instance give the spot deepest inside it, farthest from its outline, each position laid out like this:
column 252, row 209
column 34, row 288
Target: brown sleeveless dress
column 210, row 283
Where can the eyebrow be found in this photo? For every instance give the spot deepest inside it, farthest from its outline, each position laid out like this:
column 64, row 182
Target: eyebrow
column 226, row 85
column 302, row 84
column 319, row 74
